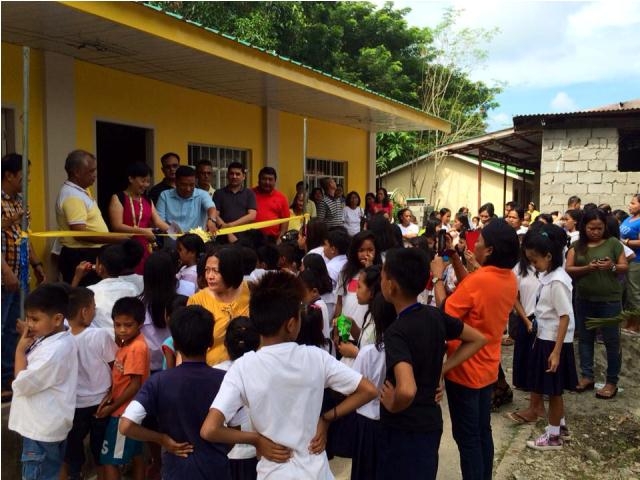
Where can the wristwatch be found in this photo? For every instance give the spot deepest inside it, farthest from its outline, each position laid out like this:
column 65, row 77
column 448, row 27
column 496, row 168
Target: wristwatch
column 613, row 267
column 435, row 280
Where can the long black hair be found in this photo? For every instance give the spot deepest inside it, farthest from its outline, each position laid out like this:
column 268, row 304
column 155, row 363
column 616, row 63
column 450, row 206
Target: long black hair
column 580, row 245
column 382, row 312
column 353, row 266
column 159, row 286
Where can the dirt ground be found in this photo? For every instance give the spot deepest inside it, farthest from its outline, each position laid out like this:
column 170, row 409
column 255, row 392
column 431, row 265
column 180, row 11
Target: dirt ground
column 605, row 440
column 605, row 444
column 605, row 433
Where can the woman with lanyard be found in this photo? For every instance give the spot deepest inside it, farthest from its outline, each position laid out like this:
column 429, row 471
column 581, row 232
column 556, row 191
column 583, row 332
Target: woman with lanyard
column 132, row 212
column 630, row 235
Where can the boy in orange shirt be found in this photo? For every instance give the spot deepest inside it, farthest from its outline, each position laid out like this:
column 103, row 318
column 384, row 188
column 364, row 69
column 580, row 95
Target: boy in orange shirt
column 130, row 370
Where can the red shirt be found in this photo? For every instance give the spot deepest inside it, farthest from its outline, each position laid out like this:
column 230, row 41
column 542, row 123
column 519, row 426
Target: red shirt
column 271, row 206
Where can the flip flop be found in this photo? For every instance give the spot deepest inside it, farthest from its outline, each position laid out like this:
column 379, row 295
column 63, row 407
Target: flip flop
column 583, row 387
column 610, row 393
column 518, row 419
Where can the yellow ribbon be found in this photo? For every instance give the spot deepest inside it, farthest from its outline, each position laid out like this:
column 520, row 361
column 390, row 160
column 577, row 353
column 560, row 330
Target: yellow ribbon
column 222, row 231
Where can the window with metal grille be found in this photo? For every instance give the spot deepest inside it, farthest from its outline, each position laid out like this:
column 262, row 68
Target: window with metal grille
column 629, row 150
column 220, row 158
column 317, row 169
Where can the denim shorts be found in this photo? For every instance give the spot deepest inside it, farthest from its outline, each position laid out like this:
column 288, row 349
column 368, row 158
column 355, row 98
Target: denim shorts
column 41, row 460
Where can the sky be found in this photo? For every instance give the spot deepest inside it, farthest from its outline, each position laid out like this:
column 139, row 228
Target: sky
column 553, row 56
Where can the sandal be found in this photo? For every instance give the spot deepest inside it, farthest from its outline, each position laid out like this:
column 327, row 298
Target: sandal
column 583, row 385
column 518, row 418
column 607, row 392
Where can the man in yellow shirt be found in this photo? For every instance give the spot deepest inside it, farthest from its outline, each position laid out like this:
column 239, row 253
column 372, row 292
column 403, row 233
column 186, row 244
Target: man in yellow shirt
column 77, row 210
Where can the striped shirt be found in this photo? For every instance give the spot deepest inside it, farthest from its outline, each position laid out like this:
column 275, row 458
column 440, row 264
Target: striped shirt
column 330, row 210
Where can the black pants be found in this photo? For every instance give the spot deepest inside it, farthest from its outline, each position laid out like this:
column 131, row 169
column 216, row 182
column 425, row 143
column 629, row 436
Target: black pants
column 84, row 423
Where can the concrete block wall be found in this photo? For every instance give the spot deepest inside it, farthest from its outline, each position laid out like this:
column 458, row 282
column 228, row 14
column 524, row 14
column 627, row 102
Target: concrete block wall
column 583, row 162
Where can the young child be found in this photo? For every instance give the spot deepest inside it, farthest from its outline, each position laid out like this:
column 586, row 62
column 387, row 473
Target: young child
column 362, row 253
column 315, row 327
column 171, row 357
column 241, row 337
column 415, row 344
column 189, row 246
column 130, row 370
column 96, row 354
column 283, row 384
column 552, row 365
column 179, row 398
column 109, row 265
column 317, row 265
column 335, row 251
column 370, row 361
column 44, row 389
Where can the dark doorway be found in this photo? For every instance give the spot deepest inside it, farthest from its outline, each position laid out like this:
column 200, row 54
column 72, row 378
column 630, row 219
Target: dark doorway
column 117, row 146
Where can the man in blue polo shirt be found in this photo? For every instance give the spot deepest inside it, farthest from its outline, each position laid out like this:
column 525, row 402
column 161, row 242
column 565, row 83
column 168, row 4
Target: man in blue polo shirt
column 186, row 205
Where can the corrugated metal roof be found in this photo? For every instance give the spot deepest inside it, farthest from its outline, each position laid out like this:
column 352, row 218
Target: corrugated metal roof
column 626, row 106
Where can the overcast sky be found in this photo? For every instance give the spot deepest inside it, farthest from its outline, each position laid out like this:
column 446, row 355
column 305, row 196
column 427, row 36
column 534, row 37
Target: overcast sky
column 554, row 56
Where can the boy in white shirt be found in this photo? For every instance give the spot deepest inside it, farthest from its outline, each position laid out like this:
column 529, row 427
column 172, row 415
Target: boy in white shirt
column 44, row 389
column 283, row 384
column 96, row 354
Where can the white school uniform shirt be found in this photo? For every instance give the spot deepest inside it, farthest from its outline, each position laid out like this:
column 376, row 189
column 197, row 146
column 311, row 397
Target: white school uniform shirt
column 283, row 386
column 326, row 324
column 96, row 349
column 352, row 218
column 411, row 228
column 106, row 292
column 154, row 337
column 372, row 365
column 554, row 300
column 351, row 308
column 240, row 451
column 189, row 274
column 334, row 267
column 44, row 394
column 136, row 279
column 528, row 288
column 320, row 251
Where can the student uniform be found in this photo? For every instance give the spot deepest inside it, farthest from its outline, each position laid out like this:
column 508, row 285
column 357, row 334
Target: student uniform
column 283, row 386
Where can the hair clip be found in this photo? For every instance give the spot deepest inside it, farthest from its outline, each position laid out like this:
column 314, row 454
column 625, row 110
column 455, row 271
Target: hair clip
column 544, row 234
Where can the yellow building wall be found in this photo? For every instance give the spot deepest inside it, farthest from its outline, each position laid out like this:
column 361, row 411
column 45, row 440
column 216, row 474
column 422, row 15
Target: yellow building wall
column 325, row 141
column 177, row 115
column 457, row 185
column 12, row 68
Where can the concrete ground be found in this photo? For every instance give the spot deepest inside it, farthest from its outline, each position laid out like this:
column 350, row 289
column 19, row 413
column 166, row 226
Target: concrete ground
column 449, row 461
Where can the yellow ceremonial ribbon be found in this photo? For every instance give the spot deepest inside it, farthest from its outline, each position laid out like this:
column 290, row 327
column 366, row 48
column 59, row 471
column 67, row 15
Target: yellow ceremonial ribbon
column 222, row 231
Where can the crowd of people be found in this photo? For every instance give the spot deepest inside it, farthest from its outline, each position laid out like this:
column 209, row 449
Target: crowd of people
column 336, row 336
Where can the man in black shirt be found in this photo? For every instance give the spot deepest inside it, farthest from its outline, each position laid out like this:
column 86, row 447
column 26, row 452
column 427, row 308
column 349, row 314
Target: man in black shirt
column 170, row 162
column 236, row 204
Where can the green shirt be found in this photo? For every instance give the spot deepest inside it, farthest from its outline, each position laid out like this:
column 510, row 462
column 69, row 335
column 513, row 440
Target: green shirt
column 599, row 285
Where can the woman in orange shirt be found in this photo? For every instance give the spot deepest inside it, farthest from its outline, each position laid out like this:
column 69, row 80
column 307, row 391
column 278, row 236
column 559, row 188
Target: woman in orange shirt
column 483, row 300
